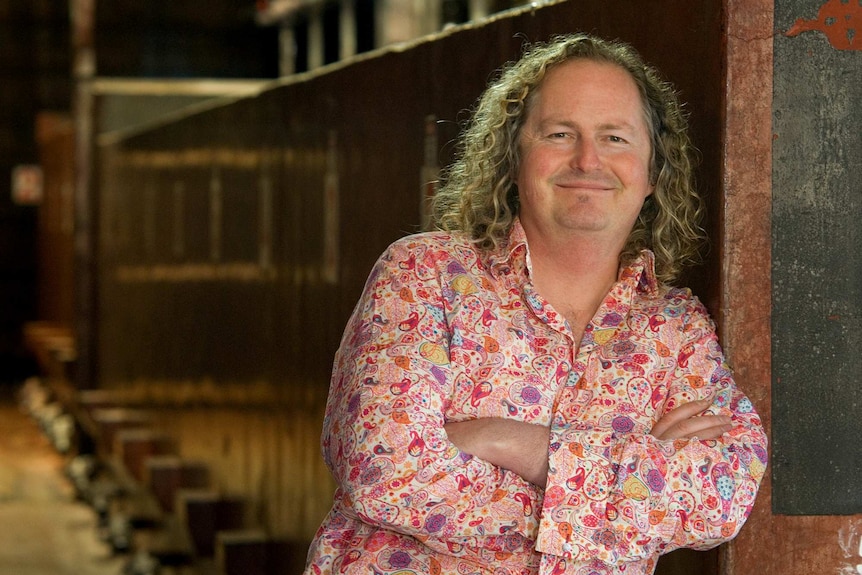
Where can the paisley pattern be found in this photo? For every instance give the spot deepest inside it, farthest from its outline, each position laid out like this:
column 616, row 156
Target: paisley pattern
column 444, row 332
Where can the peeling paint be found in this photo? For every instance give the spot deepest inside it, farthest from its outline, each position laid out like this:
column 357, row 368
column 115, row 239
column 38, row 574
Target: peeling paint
column 846, row 538
column 838, row 20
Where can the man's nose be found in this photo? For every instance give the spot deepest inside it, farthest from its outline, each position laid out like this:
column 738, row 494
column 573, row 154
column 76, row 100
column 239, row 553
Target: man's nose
column 585, row 155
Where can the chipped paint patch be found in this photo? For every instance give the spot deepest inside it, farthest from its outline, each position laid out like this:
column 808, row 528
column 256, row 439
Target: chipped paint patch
column 839, row 20
column 848, row 539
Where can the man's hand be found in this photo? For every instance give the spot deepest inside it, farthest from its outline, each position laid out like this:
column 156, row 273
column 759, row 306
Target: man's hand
column 685, row 421
column 518, row 446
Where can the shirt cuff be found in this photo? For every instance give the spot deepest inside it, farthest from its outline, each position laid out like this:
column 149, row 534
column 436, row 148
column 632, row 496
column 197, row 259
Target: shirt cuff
column 577, row 519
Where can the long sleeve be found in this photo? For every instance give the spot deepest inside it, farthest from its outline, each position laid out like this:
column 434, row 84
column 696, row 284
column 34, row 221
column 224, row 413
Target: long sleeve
column 617, row 494
column 383, row 436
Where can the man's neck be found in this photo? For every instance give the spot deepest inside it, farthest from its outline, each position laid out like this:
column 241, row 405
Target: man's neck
column 574, row 276
column 587, row 258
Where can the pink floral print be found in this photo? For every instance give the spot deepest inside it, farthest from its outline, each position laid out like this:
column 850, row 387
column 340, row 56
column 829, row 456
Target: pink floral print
column 446, row 332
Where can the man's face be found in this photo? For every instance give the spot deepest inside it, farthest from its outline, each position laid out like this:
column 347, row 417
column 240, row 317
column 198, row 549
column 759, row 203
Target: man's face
column 585, row 153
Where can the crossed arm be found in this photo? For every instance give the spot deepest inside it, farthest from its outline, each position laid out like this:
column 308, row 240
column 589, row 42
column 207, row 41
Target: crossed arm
column 523, row 447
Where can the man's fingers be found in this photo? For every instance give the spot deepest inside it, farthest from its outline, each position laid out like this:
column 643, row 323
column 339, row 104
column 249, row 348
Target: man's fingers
column 691, row 408
column 712, row 432
column 702, row 427
column 678, row 415
column 685, row 421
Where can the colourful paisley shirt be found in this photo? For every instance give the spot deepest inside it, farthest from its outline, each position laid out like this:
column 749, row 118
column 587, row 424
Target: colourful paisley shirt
column 445, row 332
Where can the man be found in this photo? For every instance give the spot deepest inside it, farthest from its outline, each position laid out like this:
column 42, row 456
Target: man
column 522, row 391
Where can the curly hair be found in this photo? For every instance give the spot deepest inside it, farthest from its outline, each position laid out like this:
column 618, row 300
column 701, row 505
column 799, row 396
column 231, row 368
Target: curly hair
column 479, row 195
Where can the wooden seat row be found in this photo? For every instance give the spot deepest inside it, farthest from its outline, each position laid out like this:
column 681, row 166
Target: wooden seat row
column 152, row 503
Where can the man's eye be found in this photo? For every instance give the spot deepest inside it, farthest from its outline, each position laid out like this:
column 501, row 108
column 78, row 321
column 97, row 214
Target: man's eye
column 616, row 139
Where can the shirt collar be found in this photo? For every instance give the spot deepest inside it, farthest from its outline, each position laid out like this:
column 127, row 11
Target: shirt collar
column 511, row 253
column 514, row 255
column 640, row 273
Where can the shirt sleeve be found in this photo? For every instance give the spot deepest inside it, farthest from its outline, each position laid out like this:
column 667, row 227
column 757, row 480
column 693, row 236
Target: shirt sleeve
column 620, row 496
column 383, row 436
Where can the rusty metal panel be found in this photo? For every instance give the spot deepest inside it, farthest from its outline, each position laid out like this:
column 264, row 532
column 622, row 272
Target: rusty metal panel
column 817, row 270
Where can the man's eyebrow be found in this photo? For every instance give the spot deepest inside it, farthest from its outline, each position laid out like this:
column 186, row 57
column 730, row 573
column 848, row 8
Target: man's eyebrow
column 620, row 125
column 549, row 123
column 562, row 122
column 558, row 119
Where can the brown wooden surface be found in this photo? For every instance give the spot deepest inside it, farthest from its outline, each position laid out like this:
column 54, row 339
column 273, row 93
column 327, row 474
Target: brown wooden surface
column 242, row 320
column 56, row 139
column 34, row 77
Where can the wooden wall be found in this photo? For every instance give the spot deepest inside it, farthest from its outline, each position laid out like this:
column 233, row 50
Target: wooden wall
column 56, row 281
column 234, row 242
column 34, row 76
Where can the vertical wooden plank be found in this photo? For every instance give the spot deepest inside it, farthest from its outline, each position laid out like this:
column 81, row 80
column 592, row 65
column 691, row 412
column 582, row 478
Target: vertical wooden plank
column 55, row 136
column 82, row 13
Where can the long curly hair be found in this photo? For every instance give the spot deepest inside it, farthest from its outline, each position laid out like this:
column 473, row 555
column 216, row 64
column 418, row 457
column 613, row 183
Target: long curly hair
column 478, row 194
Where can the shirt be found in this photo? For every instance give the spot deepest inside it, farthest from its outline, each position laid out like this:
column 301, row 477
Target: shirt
column 445, row 332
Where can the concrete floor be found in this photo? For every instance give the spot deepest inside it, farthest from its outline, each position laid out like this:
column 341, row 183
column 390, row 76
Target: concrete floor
column 43, row 529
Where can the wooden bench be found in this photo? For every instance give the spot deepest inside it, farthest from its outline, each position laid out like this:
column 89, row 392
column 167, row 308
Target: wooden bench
column 206, row 512
column 166, row 475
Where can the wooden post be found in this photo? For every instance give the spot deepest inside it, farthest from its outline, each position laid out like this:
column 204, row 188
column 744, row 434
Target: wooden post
column 82, row 15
